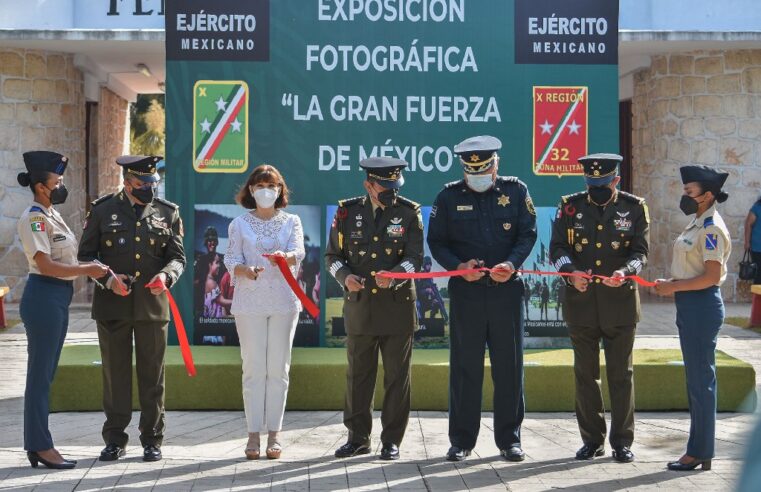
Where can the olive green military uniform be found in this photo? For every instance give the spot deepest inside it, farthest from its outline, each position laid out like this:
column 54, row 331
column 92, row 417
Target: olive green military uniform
column 377, row 318
column 141, row 247
column 586, row 237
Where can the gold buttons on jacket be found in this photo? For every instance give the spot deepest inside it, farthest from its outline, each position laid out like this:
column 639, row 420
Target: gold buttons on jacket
column 598, row 262
column 372, row 274
column 137, row 274
column 599, row 227
column 374, row 255
column 599, row 245
column 109, row 243
column 375, row 291
column 375, row 238
column 137, row 238
column 138, row 223
column 137, row 256
column 597, row 280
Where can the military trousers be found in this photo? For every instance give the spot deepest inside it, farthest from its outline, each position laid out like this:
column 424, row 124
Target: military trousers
column 618, row 342
column 115, row 338
column 481, row 316
column 362, row 353
column 44, row 310
column 699, row 316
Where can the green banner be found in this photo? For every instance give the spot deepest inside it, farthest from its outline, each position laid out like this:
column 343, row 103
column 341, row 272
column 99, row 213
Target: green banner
column 315, row 86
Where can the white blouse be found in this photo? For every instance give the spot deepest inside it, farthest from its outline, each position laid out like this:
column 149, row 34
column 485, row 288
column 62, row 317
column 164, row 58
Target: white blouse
column 249, row 237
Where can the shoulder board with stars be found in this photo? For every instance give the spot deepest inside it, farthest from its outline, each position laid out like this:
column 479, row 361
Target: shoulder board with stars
column 351, row 201
column 408, row 202
column 454, row 184
column 166, row 202
column 574, row 196
column 631, row 198
column 101, row 199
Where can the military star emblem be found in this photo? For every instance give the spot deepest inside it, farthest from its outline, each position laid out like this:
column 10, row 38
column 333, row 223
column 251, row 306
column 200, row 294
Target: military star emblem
column 474, row 158
column 503, row 200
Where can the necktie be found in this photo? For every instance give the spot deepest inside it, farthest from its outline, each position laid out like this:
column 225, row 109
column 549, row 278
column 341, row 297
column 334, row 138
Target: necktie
column 378, row 213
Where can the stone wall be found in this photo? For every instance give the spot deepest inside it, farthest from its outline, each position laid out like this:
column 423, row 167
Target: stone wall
column 41, row 107
column 697, row 108
column 113, row 128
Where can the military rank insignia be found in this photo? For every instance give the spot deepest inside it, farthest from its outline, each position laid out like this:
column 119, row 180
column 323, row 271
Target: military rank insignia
column 220, row 126
column 560, row 130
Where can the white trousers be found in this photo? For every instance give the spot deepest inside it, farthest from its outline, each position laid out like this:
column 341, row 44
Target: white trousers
column 265, row 347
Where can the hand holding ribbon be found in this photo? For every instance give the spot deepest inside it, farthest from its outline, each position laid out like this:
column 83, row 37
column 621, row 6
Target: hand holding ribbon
column 470, row 271
column 182, row 337
column 282, row 264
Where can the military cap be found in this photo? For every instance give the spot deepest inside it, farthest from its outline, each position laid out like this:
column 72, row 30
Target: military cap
column 478, row 154
column 211, row 234
column 386, row 171
column 141, row 166
column 711, row 179
column 43, row 161
column 600, row 169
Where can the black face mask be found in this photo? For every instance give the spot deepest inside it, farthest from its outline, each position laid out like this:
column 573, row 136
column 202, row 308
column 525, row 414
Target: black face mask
column 688, row 205
column 600, row 195
column 387, row 197
column 58, row 194
column 145, row 195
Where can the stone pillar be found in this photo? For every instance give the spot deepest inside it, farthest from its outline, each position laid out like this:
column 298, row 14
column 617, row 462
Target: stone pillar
column 41, row 108
column 697, row 108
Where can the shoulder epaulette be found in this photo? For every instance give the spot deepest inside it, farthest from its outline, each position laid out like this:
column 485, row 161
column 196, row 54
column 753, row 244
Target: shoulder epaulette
column 101, row 199
column 350, row 201
column 574, row 196
column 631, row 198
column 166, row 202
column 35, row 208
column 452, row 184
column 708, row 222
column 408, row 202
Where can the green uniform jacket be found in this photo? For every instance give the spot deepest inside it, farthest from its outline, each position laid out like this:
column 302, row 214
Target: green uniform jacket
column 356, row 246
column 138, row 246
column 586, row 238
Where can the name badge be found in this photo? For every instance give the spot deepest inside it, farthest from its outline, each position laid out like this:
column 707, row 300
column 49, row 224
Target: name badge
column 59, row 237
column 464, row 208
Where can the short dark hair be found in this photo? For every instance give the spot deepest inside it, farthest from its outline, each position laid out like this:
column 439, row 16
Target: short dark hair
column 263, row 173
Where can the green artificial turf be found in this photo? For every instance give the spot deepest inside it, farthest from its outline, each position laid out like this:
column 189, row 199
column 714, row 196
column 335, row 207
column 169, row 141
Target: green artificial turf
column 318, row 380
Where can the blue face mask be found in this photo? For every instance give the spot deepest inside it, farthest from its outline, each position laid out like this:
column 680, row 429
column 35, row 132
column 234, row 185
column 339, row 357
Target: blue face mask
column 479, row 182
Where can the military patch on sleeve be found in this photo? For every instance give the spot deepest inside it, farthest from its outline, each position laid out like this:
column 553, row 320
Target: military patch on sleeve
column 530, row 206
column 712, row 241
column 37, row 223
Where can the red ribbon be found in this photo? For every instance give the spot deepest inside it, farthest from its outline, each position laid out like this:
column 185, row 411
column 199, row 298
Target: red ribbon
column 282, row 264
column 182, row 336
column 457, row 273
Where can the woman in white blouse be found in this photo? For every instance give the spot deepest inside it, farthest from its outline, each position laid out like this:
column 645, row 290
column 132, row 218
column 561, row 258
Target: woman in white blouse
column 266, row 310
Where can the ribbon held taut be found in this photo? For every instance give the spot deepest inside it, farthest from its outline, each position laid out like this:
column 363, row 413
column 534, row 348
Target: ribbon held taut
column 282, row 265
column 458, row 273
column 179, row 326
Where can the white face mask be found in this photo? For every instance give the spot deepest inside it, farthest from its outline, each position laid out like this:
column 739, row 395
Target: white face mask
column 479, row 182
column 265, row 197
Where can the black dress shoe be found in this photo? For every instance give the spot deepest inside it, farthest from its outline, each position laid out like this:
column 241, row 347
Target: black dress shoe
column 112, row 452
column 514, row 453
column 457, row 453
column 589, row 451
column 389, row 451
column 679, row 466
column 35, row 459
column 623, row 455
column 151, row 453
column 352, row 449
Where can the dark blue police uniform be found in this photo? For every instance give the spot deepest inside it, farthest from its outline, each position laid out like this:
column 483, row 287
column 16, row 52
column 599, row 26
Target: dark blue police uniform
column 495, row 226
